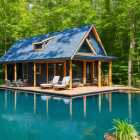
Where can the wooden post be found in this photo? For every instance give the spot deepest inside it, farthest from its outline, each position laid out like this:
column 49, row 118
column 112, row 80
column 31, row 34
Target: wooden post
column 15, row 72
column 5, row 71
column 70, row 74
column 93, row 70
column 64, row 68
column 34, row 74
column 54, row 69
column 99, row 73
column 47, row 73
column 110, row 73
column 84, row 72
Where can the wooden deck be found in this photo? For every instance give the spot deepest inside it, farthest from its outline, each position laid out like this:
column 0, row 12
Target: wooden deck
column 75, row 92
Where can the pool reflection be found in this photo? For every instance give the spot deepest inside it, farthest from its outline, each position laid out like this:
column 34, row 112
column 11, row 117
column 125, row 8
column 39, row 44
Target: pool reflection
column 84, row 118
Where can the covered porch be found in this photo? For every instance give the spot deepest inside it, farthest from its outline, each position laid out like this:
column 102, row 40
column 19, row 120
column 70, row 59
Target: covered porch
column 82, row 72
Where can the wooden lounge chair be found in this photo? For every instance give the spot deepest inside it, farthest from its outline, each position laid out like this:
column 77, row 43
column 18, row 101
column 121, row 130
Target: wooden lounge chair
column 50, row 85
column 64, row 84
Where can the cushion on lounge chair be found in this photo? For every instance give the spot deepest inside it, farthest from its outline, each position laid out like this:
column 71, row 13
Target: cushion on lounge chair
column 55, row 81
column 65, row 81
column 44, row 85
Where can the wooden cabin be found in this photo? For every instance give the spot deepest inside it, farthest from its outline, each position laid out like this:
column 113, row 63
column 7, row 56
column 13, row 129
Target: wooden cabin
column 76, row 52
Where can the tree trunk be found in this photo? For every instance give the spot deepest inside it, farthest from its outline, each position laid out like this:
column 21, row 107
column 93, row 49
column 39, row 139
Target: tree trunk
column 132, row 45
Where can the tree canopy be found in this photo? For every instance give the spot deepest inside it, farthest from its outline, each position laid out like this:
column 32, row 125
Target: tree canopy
column 112, row 19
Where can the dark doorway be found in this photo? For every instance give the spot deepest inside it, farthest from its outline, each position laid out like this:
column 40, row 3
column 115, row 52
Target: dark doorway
column 10, row 71
column 88, row 72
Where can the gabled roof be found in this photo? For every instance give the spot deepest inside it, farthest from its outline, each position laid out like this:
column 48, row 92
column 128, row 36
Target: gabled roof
column 62, row 47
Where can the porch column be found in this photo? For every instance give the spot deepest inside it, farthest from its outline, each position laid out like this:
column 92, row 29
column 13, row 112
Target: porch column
column 93, row 70
column 99, row 73
column 34, row 74
column 54, row 69
column 84, row 72
column 6, row 71
column 64, row 68
column 47, row 73
column 15, row 72
column 70, row 74
column 110, row 73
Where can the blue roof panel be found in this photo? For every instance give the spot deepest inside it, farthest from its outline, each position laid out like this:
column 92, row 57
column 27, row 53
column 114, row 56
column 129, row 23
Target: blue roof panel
column 63, row 45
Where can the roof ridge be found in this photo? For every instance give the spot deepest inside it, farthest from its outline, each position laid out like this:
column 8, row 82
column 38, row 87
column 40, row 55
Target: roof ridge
column 56, row 31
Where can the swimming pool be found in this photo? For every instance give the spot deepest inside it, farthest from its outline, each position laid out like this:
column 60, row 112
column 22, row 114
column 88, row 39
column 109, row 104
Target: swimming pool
column 34, row 117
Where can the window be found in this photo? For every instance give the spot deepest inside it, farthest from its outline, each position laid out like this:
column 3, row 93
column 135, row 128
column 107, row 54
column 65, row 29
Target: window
column 38, row 68
column 85, row 48
column 41, row 45
column 25, row 71
column 38, row 46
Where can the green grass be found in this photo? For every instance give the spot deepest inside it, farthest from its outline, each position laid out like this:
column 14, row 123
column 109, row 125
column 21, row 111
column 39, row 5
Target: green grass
column 2, row 81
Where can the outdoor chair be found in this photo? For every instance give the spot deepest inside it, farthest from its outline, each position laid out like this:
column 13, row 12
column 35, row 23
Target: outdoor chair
column 95, row 81
column 105, row 81
column 64, row 84
column 50, row 85
column 20, row 83
column 9, row 83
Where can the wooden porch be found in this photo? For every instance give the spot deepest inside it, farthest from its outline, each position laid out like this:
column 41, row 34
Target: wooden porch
column 66, row 72
column 75, row 92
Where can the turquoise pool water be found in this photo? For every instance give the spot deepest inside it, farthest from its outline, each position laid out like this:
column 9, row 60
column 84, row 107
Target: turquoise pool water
column 35, row 117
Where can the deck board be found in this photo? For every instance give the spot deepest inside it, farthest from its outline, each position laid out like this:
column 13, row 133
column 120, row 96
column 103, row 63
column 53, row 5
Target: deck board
column 75, row 92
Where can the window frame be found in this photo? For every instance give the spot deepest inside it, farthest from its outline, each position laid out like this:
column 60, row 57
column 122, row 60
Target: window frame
column 23, row 68
column 50, row 39
column 39, row 67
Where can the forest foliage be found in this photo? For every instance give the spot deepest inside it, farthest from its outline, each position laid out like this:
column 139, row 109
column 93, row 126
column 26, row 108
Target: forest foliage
column 112, row 18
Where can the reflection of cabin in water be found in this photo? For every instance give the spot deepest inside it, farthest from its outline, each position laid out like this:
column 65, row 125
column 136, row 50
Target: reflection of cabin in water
column 77, row 52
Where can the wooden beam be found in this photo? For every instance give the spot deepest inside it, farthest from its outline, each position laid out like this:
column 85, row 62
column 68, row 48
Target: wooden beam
column 44, row 40
column 98, row 39
column 34, row 74
column 99, row 73
column 82, row 42
column 15, row 72
column 93, row 70
column 5, row 71
column 54, row 69
column 110, row 73
column 84, row 72
column 47, row 73
column 91, row 46
column 64, row 68
column 70, row 74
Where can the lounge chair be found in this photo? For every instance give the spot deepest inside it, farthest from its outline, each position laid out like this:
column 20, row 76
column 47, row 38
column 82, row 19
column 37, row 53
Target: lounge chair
column 50, row 85
column 20, row 83
column 64, row 84
column 9, row 83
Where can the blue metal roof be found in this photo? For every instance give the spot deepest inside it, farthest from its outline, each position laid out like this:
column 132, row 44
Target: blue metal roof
column 61, row 47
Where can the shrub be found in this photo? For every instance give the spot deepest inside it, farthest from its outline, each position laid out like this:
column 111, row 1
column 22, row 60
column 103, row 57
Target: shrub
column 124, row 130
